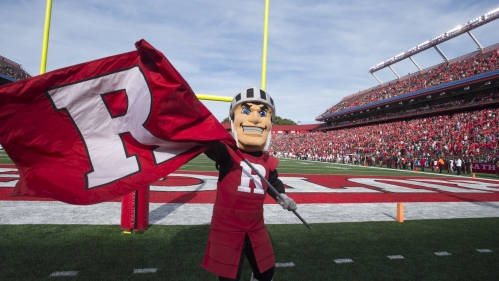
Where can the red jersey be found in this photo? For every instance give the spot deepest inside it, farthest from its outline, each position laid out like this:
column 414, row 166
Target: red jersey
column 237, row 212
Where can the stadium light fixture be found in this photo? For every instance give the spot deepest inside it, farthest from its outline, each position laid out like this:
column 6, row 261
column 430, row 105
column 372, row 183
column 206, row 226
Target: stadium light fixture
column 455, row 29
column 466, row 88
column 487, row 83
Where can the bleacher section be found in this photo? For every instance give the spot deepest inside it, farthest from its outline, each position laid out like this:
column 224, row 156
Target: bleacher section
column 450, row 111
column 11, row 71
column 460, row 68
column 470, row 134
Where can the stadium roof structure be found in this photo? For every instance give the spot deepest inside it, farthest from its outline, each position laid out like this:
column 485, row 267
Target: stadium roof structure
column 466, row 28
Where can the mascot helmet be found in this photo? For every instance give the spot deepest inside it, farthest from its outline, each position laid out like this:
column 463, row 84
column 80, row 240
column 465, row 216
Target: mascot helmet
column 252, row 95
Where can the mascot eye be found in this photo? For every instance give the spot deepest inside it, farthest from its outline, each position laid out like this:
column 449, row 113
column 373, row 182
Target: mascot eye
column 263, row 113
column 245, row 111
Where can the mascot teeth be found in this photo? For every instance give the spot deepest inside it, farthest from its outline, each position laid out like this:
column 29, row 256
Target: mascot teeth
column 252, row 130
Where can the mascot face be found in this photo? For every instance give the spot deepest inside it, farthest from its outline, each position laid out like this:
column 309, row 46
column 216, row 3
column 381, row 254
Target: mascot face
column 252, row 122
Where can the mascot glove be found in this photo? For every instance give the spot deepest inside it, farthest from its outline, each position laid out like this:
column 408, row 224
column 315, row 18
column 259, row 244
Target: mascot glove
column 288, row 203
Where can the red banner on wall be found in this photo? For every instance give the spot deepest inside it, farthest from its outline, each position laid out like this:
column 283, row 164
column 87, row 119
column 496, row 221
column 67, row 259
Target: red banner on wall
column 483, row 168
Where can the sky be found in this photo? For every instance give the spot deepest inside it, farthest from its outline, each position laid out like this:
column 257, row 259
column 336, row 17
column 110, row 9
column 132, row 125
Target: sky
column 318, row 51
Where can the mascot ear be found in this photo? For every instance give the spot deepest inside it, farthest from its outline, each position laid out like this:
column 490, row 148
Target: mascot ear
column 269, row 137
column 233, row 132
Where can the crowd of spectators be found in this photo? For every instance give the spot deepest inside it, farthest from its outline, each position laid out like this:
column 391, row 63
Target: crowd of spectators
column 464, row 134
column 428, row 107
column 443, row 73
column 12, row 70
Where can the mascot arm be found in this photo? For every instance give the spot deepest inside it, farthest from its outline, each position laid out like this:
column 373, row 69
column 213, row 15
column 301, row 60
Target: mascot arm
column 220, row 154
column 288, row 203
column 276, row 183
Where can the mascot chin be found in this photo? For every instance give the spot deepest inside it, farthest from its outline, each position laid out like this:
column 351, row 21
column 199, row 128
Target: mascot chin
column 237, row 228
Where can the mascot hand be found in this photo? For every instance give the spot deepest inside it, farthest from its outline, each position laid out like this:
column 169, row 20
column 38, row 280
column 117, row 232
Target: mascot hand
column 288, row 203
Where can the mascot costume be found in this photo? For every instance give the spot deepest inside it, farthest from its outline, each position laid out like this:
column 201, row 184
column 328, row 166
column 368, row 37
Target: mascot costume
column 237, row 228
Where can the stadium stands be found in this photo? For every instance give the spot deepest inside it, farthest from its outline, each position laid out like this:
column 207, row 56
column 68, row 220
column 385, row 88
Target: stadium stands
column 470, row 133
column 450, row 110
column 460, row 68
column 11, row 71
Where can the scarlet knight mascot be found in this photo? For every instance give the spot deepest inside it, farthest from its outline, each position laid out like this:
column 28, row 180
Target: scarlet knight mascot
column 237, row 228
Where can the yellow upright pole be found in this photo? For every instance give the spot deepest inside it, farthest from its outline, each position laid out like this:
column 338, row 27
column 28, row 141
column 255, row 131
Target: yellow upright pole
column 214, row 98
column 264, row 60
column 46, row 30
column 265, row 36
column 45, row 44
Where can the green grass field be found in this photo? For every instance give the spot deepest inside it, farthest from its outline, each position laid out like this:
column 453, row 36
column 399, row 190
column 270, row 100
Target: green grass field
column 4, row 158
column 34, row 252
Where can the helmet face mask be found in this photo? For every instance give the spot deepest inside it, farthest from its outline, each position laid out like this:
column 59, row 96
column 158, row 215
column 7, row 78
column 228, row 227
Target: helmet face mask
column 251, row 114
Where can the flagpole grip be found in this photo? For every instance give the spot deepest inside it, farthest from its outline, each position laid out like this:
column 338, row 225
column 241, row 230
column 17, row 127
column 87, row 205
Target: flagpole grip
column 272, row 188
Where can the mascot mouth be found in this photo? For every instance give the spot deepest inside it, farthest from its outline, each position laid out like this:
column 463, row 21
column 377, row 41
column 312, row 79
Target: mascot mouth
column 252, row 129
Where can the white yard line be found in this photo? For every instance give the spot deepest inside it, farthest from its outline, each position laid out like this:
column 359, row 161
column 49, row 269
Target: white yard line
column 396, row 257
column 484, row 250
column 284, row 264
column 145, row 270
column 63, row 273
column 343, row 260
column 442, row 254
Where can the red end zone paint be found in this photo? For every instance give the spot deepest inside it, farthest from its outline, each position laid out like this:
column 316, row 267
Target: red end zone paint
column 199, row 187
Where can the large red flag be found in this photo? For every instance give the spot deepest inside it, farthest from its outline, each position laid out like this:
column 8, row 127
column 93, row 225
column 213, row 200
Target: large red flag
column 98, row 130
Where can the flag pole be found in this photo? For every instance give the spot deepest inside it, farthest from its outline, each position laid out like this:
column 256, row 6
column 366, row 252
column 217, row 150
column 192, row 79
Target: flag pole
column 46, row 30
column 271, row 187
column 265, row 37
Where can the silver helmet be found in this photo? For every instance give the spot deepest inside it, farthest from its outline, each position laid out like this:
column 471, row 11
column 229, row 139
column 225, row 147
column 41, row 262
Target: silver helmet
column 255, row 95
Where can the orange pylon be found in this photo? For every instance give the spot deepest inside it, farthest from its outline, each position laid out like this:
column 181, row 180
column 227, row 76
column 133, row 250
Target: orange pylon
column 400, row 212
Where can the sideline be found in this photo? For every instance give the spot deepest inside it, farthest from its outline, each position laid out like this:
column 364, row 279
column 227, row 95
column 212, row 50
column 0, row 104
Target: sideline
column 37, row 212
column 390, row 169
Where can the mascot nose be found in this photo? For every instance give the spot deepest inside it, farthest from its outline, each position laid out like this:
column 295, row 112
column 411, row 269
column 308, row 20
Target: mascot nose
column 254, row 117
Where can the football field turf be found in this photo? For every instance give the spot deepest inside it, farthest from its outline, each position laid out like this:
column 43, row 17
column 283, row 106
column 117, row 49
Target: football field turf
column 450, row 232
